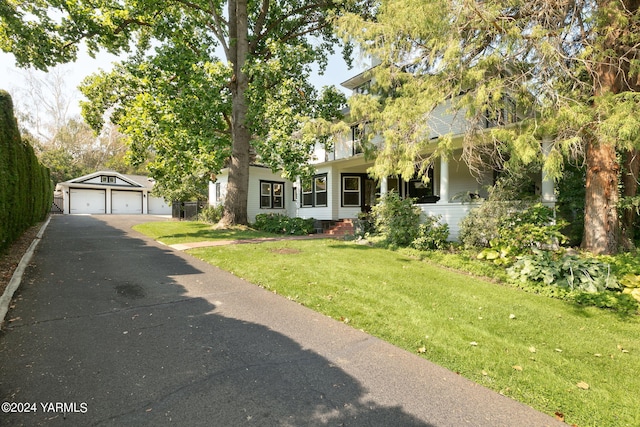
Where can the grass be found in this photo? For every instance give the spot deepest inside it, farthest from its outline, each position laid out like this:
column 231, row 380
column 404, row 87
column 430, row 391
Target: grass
column 174, row 232
column 549, row 354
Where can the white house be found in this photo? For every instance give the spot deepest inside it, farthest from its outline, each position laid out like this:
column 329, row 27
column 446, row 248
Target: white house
column 108, row 192
column 341, row 187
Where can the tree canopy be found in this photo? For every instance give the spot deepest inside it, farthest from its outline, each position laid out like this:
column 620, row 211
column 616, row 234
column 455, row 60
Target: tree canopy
column 208, row 83
column 569, row 67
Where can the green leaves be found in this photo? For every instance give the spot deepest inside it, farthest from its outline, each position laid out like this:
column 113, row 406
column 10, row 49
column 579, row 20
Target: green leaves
column 567, row 271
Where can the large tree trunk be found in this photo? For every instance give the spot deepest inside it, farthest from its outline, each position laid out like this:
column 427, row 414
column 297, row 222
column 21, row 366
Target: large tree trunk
column 601, row 224
column 235, row 206
column 630, row 176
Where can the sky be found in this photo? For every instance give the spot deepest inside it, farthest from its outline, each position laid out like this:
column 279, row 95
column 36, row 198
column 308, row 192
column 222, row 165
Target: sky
column 14, row 79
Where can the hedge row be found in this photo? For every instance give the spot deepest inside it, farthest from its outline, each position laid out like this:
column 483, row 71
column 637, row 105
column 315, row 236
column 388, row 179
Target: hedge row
column 26, row 190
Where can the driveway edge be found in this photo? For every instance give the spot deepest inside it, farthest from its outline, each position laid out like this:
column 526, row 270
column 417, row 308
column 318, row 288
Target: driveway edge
column 16, row 278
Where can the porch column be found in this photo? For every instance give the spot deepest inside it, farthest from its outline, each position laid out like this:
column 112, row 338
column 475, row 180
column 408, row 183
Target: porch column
column 384, row 186
column 444, row 180
column 548, row 186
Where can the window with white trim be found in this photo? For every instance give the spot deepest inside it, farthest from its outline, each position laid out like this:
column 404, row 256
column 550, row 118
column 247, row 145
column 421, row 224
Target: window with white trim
column 351, row 191
column 271, row 195
column 314, row 191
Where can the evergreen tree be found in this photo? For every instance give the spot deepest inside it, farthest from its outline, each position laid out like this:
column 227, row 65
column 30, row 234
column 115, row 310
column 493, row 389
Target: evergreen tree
column 571, row 69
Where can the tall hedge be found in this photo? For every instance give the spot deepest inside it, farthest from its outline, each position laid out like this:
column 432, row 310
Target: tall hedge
column 26, row 190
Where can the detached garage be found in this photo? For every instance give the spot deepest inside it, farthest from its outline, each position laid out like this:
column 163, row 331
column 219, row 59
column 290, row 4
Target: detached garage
column 108, row 192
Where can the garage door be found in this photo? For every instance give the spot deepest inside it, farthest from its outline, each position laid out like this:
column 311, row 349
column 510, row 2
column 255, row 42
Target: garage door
column 126, row 202
column 87, row 201
column 158, row 206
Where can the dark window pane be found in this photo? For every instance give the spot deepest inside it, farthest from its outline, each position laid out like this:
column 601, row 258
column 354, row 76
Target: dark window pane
column 307, row 199
column 352, row 183
column 351, row 199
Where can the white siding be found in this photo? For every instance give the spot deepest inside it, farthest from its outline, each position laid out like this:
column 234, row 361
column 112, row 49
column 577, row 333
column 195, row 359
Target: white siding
column 222, row 180
column 444, row 122
column 451, row 213
column 461, row 180
column 330, row 211
column 256, row 174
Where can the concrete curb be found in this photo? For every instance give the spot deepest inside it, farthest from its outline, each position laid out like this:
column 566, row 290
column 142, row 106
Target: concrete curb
column 16, row 278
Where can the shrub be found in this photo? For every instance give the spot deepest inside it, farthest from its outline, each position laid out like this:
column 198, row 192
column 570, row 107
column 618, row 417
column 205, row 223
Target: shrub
column 510, row 228
column 431, row 234
column 482, row 224
column 26, row 190
column 282, row 224
column 567, row 271
column 397, row 219
column 211, row 214
column 533, row 227
column 365, row 225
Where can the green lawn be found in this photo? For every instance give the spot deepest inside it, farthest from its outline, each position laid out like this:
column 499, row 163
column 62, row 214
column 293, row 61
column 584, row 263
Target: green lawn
column 174, row 232
column 546, row 353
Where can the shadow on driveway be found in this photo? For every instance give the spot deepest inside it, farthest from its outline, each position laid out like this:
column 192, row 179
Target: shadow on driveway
column 123, row 331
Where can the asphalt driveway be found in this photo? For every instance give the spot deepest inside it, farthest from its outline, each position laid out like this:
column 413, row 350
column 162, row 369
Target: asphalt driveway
column 112, row 328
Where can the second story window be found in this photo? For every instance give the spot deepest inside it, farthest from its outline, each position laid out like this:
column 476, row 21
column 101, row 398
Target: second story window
column 357, row 136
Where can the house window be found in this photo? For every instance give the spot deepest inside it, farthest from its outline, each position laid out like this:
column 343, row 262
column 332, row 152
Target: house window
column 421, row 191
column 363, row 89
column 218, row 192
column 357, row 136
column 108, row 179
column 314, row 191
column 271, row 195
column 351, row 189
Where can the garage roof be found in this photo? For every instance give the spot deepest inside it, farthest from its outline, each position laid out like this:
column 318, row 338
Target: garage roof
column 111, row 179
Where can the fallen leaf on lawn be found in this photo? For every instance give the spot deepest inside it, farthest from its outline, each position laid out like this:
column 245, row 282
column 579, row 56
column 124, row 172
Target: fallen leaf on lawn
column 422, row 350
column 532, row 349
column 583, row 385
column 485, row 373
column 559, row 350
column 473, row 343
column 517, row 367
column 597, row 355
column 512, row 316
column 559, row 416
column 622, row 349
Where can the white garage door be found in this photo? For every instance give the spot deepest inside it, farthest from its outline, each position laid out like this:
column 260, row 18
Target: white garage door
column 87, row 201
column 158, row 206
column 126, row 202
